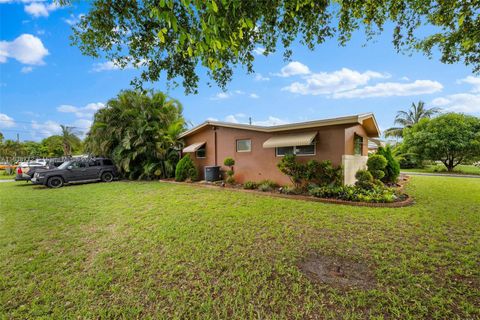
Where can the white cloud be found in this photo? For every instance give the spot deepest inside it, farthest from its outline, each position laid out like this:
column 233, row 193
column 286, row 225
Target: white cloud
column 6, row 121
column 105, row 66
column 26, row 69
column 82, row 126
column 27, row 49
column 328, row 83
column 40, row 9
column 73, row 19
column 231, row 118
column 405, row 78
column 259, row 77
column 390, row 89
column 227, row 95
column 292, row 69
column 84, row 112
column 271, row 121
column 259, row 51
column 460, row 102
column 45, row 129
column 112, row 65
column 221, row 96
column 474, row 81
column 241, row 118
column 254, row 96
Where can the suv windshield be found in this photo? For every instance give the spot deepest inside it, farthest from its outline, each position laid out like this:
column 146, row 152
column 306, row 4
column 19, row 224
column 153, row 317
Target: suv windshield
column 64, row 165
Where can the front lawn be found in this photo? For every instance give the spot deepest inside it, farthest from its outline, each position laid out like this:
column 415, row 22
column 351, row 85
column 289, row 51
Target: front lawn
column 440, row 168
column 139, row 249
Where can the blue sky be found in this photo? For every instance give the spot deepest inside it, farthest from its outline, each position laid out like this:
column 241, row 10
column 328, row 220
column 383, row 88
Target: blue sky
column 44, row 81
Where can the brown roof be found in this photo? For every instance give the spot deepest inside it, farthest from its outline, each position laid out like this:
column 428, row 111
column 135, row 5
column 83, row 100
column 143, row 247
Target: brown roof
column 366, row 119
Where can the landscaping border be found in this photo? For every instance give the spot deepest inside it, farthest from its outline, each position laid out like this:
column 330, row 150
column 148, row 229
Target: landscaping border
column 404, row 203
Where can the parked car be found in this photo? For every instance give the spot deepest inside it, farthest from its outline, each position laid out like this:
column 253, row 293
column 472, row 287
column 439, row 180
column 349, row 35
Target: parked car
column 48, row 164
column 25, row 170
column 77, row 171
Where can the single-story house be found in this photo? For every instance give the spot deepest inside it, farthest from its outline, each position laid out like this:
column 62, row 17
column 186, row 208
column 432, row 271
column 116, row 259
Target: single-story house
column 258, row 149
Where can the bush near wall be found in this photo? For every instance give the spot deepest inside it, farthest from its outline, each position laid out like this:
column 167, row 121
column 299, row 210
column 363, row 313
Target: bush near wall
column 186, row 170
column 392, row 169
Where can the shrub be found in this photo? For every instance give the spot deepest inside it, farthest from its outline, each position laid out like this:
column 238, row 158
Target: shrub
column 294, row 170
column 324, row 173
column 267, row 185
column 365, row 180
column 186, row 169
column 264, row 187
column 229, row 162
column 376, row 165
column 392, row 169
column 250, row 185
column 291, row 190
column 354, row 193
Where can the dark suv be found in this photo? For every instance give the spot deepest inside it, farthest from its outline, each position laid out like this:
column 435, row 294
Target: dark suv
column 76, row 171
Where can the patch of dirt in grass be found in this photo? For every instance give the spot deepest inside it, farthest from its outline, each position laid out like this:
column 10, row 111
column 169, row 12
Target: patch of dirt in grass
column 338, row 272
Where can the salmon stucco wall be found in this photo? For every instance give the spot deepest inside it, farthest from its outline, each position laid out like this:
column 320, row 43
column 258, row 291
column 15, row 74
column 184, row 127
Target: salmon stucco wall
column 349, row 139
column 261, row 163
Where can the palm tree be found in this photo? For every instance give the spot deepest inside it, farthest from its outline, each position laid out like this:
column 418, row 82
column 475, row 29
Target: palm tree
column 69, row 140
column 140, row 132
column 406, row 119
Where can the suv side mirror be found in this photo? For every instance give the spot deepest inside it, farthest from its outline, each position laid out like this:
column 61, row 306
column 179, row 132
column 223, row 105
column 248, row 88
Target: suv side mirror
column 70, row 167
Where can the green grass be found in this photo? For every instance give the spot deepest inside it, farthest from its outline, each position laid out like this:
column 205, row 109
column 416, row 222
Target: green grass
column 137, row 249
column 460, row 169
column 4, row 176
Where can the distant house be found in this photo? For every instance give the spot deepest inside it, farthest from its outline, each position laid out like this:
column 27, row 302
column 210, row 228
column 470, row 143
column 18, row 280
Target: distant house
column 258, row 149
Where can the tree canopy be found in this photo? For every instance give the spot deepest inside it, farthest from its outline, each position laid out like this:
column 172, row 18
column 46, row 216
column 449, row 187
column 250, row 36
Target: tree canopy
column 140, row 133
column 175, row 36
column 451, row 138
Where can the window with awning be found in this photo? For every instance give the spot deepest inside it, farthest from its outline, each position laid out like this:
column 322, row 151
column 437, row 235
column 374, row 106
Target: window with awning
column 193, row 147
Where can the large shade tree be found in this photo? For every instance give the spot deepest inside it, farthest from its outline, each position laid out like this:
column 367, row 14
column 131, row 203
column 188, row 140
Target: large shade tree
column 176, row 36
column 451, row 138
column 406, row 119
column 140, row 132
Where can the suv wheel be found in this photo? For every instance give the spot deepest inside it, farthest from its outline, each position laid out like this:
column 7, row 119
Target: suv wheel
column 107, row 177
column 55, row 182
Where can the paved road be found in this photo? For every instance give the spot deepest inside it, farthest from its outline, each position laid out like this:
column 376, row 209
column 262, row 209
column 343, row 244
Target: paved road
column 441, row 175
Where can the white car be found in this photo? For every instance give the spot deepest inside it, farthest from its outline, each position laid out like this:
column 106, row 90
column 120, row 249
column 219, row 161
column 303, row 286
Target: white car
column 24, row 167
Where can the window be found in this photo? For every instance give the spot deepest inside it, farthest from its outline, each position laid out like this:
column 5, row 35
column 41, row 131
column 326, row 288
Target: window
column 281, row 151
column 308, row 150
column 201, row 153
column 305, row 150
column 357, row 145
column 107, row 162
column 244, row 145
column 78, row 164
column 94, row 163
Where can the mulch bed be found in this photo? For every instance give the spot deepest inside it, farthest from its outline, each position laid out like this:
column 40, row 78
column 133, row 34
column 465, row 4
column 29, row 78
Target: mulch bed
column 405, row 201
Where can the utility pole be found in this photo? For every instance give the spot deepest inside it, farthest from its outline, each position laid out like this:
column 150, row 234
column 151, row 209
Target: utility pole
column 250, row 120
column 18, row 137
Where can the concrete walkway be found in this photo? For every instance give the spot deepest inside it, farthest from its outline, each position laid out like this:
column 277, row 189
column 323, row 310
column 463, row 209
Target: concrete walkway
column 7, row 180
column 428, row 174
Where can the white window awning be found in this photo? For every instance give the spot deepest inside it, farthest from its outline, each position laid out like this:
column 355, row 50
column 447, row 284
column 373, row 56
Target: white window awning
column 290, row 139
column 193, row 147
